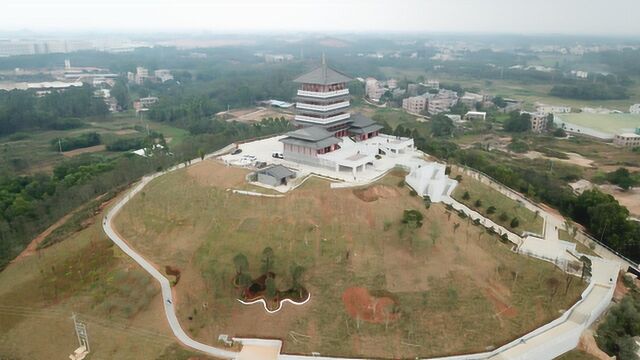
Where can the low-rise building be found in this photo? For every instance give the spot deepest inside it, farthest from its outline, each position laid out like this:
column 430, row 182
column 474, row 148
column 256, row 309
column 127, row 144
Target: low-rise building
column 553, row 109
column 414, row 104
column 475, row 115
column 471, row 99
column 275, row 175
column 538, row 121
column 142, row 74
column 634, row 109
column 627, row 140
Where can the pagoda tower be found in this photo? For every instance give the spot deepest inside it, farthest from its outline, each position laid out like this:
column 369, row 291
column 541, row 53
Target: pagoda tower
column 323, row 100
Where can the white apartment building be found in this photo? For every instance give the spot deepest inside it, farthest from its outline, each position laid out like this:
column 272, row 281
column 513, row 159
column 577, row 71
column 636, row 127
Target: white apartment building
column 553, row 109
column 414, row 104
column 626, row 140
column 373, row 89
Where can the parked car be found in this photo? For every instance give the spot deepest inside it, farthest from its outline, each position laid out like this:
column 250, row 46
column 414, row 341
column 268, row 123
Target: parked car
column 277, row 155
column 236, row 151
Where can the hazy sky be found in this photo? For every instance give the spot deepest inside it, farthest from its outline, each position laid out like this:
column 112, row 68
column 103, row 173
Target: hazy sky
column 510, row 16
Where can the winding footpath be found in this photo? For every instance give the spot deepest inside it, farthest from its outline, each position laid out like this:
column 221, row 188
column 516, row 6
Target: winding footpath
column 165, row 285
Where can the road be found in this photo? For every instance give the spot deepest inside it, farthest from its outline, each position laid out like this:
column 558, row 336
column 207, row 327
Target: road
column 165, row 285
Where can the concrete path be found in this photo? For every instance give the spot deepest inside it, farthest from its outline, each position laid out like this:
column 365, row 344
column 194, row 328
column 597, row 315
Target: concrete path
column 165, row 285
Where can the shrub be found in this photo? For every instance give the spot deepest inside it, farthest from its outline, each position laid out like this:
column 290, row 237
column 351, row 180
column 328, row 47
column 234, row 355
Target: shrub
column 514, row 222
column 412, row 218
column 413, row 193
column 459, row 178
column 491, row 210
column 466, row 195
column 503, row 217
column 478, row 203
column 400, row 183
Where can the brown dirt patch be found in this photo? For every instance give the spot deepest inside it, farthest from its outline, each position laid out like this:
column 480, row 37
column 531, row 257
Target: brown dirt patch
column 360, row 304
column 125, row 132
column 90, row 149
column 588, row 344
column 376, row 192
column 212, row 173
column 630, row 198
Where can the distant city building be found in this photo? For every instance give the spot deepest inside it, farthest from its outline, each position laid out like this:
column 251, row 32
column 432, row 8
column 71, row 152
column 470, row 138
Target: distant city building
column 373, row 89
column 412, row 89
column 627, row 140
column 471, row 99
column 552, row 109
column 414, row 104
column 442, row 101
column 143, row 103
column 392, row 84
column 432, row 84
column 142, row 74
column 163, row 75
column 580, row 74
column 277, row 58
column 634, row 109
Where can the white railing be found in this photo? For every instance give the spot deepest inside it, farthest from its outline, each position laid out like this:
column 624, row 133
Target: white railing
column 330, row 107
column 322, row 121
column 324, row 94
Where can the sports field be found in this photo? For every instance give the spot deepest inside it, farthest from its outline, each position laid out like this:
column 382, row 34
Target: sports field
column 448, row 286
column 606, row 123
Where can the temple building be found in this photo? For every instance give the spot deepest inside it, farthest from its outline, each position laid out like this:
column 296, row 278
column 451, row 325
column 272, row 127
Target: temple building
column 325, row 122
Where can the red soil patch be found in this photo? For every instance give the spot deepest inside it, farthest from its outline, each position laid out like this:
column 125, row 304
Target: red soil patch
column 376, row 192
column 621, row 289
column 360, row 304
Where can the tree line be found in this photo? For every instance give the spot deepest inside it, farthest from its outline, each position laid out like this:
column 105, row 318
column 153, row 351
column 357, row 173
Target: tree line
column 22, row 110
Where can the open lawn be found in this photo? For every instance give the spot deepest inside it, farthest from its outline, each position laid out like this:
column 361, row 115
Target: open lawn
column 88, row 275
column 564, row 235
column 457, row 289
column 488, row 197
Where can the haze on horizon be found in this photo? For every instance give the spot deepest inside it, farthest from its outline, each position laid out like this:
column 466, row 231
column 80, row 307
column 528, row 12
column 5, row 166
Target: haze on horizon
column 615, row 17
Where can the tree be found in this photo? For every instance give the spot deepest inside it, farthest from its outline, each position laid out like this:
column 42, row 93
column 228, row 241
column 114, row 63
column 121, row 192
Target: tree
column 491, row 210
column 441, row 125
column 478, row 203
column 412, row 218
column 120, row 92
column 297, row 271
column 500, row 102
column 241, row 263
column 586, row 267
column 267, row 260
column 270, row 288
column 466, row 196
column 518, row 122
column 559, row 132
column 623, row 178
column 514, row 222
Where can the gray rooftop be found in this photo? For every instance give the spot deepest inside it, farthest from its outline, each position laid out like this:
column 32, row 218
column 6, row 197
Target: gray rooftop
column 277, row 171
column 310, row 133
column 318, row 144
column 323, row 75
column 360, row 121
